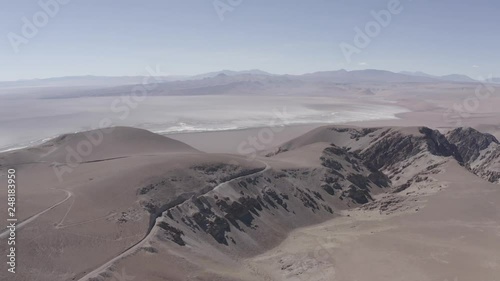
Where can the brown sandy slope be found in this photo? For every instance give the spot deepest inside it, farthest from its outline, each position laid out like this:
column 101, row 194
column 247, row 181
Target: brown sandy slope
column 106, row 212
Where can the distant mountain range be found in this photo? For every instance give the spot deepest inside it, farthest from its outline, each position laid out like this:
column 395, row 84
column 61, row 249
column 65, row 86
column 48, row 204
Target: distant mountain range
column 339, row 83
column 87, row 80
column 450, row 77
column 367, row 76
column 229, row 73
column 247, row 81
column 495, row 79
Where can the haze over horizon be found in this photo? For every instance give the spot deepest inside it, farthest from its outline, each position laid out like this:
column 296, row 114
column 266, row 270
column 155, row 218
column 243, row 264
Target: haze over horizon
column 231, row 72
column 295, row 37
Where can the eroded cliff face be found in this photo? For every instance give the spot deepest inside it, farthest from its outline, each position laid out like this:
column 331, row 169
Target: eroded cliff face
column 255, row 212
column 470, row 142
column 480, row 152
column 397, row 151
column 252, row 210
column 236, row 207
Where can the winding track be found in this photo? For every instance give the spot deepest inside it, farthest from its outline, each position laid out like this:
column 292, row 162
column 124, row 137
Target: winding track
column 94, row 273
column 19, row 225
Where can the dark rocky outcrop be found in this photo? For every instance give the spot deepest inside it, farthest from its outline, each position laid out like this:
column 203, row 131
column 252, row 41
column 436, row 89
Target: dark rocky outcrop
column 359, row 195
column 172, row 233
column 470, row 142
column 236, row 211
column 213, row 225
column 394, row 147
column 480, row 151
column 437, row 144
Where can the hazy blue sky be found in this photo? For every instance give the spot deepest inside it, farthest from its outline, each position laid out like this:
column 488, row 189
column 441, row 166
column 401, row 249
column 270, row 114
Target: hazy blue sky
column 122, row 37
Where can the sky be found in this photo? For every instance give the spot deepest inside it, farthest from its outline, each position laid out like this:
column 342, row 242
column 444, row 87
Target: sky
column 187, row 37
